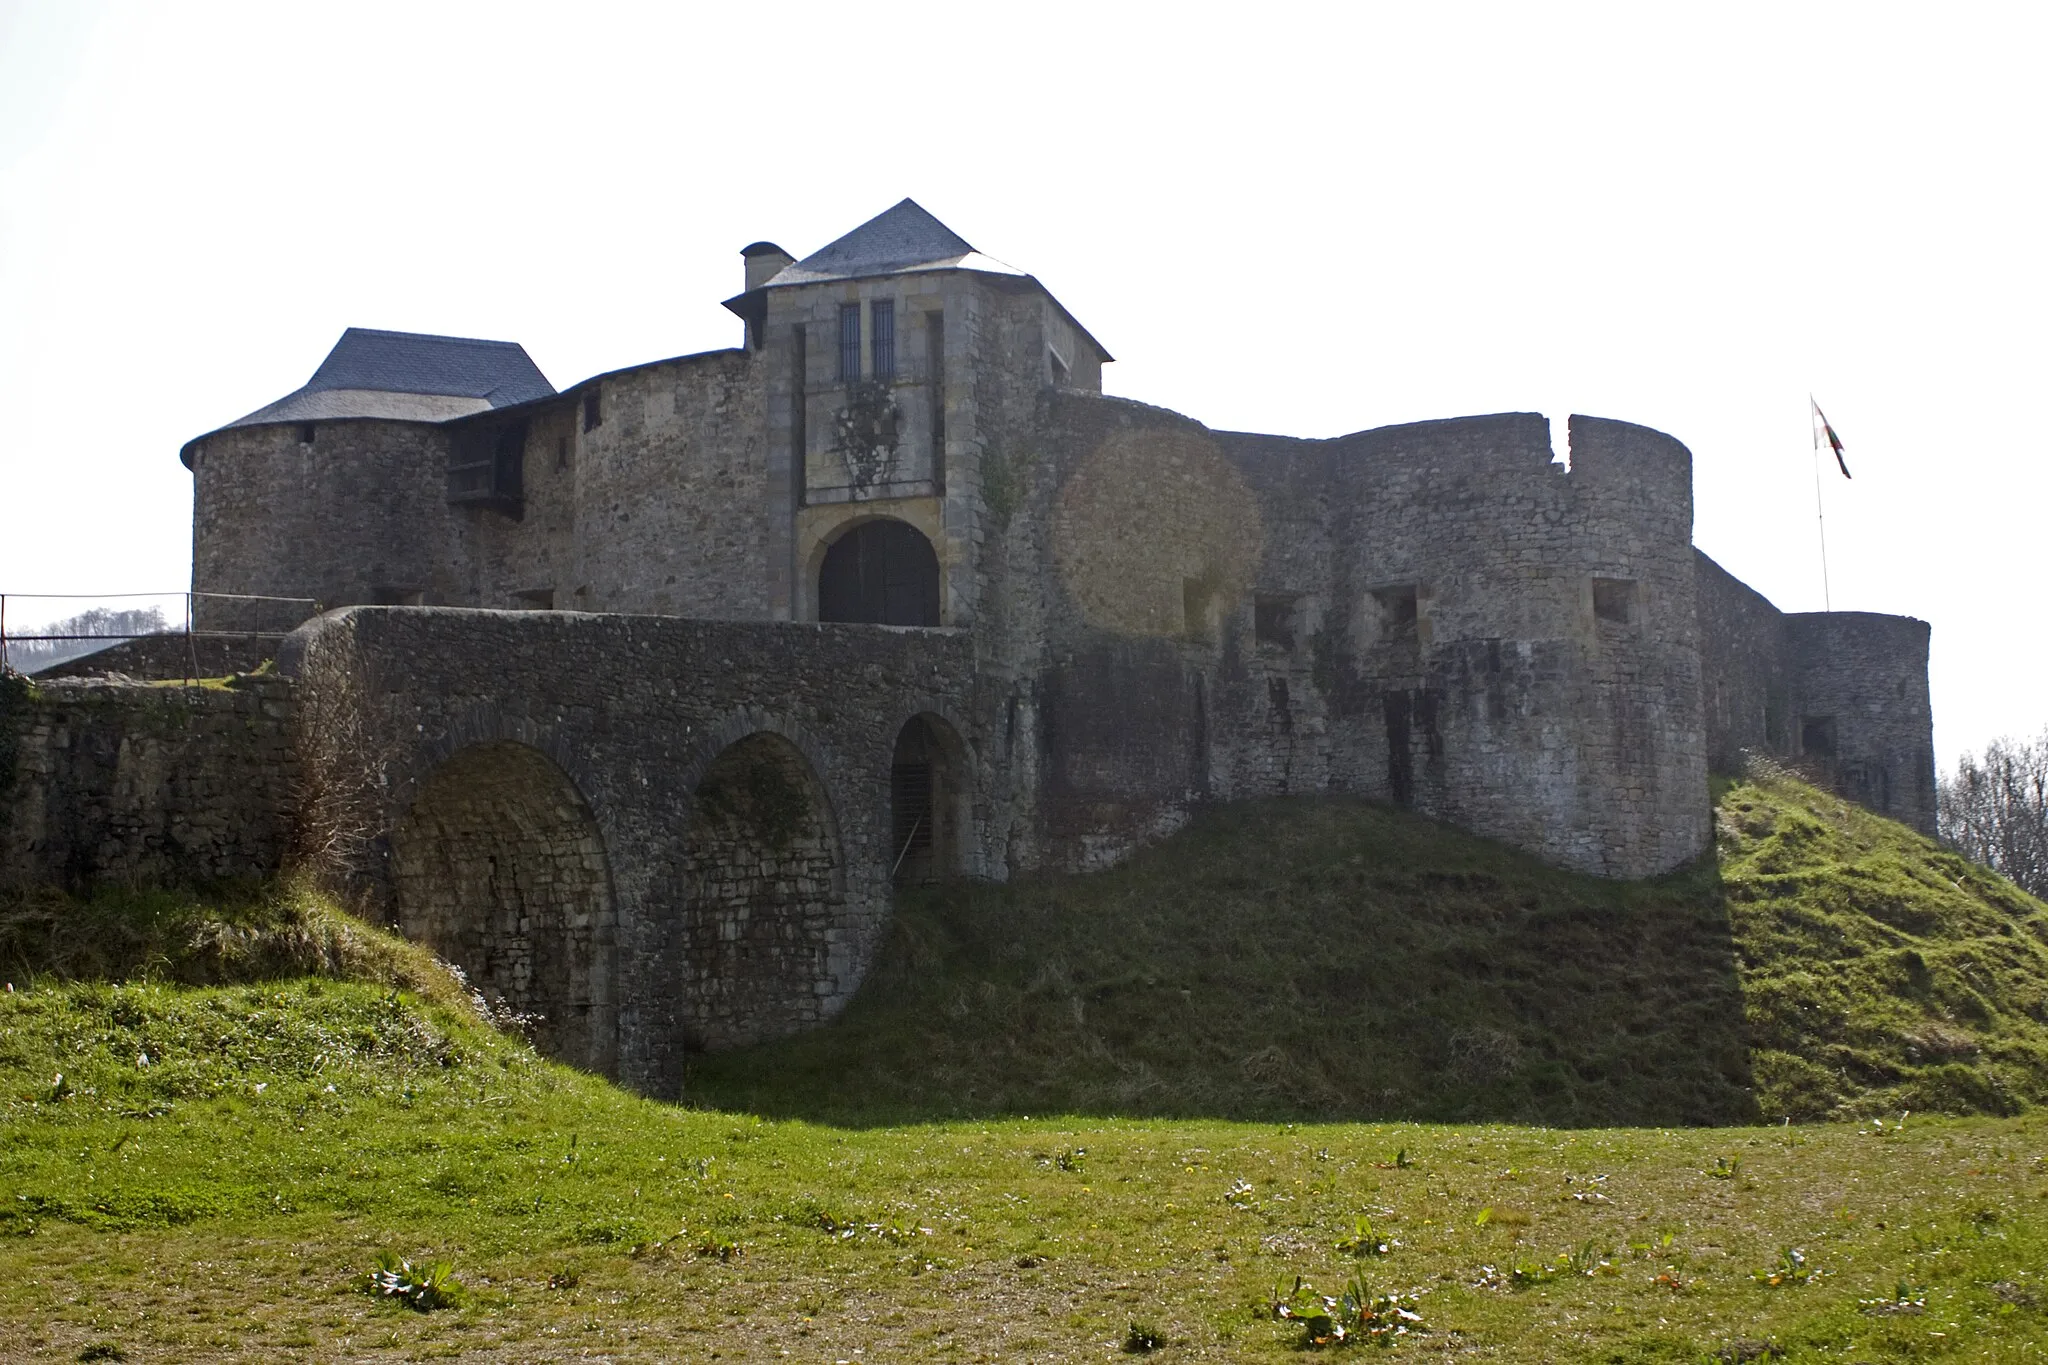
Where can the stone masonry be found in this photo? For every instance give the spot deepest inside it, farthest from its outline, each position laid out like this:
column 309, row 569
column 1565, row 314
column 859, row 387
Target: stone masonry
column 642, row 694
column 133, row 784
column 659, row 833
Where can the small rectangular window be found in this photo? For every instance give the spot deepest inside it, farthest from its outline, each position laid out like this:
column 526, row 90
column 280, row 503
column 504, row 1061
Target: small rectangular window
column 561, row 453
column 882, row 316
column 1614, row 599
column 1398, row 611
column 1273, row 619
column 306, row 432
column 593, row 408
column 849, row 343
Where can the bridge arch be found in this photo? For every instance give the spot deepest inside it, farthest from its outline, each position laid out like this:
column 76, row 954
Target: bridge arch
column 763, row 942
column 499, row 865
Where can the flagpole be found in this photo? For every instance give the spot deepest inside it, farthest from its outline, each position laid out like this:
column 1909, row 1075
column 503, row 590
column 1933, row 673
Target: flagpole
column 1820, row 515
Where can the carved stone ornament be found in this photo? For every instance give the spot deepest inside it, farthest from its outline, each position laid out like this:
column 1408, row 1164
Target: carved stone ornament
column 866, row 434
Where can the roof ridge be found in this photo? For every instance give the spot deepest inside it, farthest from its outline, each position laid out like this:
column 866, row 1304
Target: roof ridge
column 428, row 336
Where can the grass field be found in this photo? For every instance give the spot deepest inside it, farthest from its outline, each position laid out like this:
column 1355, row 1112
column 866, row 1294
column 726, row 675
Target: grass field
column 194, row 1171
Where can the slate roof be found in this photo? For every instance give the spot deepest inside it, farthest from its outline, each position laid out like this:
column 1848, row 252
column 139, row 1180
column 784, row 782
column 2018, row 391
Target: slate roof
column 413, row 362
column 905, row 237
column 897, row 241
column 407, row 377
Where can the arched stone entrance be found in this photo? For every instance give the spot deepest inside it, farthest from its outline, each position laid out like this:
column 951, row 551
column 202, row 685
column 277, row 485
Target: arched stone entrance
column 765, row 888
column 927, row 801
column 500, row 868
column 883, row 572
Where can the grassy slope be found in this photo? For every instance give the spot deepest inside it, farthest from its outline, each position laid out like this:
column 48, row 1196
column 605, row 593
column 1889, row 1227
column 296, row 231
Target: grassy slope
column 218, row 1203
column 1342, row 960
column 216, row 1200
column 1879, row 971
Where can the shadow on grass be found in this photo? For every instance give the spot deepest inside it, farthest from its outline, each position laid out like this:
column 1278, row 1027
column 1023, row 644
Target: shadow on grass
column 1302, row 959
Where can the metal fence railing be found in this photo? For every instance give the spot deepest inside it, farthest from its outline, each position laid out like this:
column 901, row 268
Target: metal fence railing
column 182, row 620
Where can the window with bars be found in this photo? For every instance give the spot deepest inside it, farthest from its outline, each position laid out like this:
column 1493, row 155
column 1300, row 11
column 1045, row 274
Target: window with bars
column 882, row 320
column 849, row 343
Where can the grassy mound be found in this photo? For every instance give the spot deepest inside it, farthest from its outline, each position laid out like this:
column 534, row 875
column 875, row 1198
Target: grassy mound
column 1880, row 972
column 1335, row 959
column 226, row 935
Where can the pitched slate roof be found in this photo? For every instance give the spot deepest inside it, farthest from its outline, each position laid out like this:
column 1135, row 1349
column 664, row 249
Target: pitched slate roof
column 412, row 362
column 897, row 241
column 905, row 237
column 407, row 377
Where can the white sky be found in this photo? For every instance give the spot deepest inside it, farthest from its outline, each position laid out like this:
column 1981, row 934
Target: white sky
column 1306, row 220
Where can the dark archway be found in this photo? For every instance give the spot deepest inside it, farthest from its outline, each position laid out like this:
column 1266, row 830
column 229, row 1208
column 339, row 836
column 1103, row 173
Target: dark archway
column 927, row 801
column 765, row 892
column 500, row 868
column 882, row 572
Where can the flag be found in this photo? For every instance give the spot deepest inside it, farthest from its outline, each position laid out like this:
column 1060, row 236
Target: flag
column 1834, row 441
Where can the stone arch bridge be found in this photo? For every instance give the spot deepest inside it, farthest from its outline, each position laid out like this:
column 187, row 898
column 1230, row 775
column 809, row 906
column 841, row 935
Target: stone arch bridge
column 658, row 834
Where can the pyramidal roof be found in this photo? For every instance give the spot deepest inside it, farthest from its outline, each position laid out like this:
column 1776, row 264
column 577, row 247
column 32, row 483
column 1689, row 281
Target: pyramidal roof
column 407, row 377
column 413, row 362
column 410, row 376
column 900, row 239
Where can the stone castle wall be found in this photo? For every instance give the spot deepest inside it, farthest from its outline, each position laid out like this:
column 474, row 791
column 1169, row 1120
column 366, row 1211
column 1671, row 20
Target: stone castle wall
column 1865, row 720
column 658, row 507
column 114, row 783
column 358, row 511
column 1748, row 697
column 669, row 491
column 1438, row 614
column 1843, row 695
column 691, row 819
column 1408, row 614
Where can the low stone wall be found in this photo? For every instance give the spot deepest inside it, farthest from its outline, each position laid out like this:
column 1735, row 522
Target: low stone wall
column 128, row 783
column 170, row 657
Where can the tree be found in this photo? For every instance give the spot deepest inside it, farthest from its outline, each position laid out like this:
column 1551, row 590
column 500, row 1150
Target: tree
column 1995, row 810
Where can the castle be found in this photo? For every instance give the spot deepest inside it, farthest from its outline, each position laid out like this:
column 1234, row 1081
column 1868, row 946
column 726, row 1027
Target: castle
column 893, row 590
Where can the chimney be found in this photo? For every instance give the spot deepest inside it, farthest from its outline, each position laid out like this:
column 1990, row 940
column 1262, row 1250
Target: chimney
column 764, row 261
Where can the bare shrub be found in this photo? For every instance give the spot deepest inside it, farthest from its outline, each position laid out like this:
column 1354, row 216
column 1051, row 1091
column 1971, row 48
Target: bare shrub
column 345, row 762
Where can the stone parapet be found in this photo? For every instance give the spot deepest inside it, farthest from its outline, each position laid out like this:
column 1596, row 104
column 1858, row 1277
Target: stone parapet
column 128, row 783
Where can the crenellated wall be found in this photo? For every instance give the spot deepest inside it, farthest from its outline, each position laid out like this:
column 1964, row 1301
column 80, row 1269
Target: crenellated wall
column 1408, row 614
